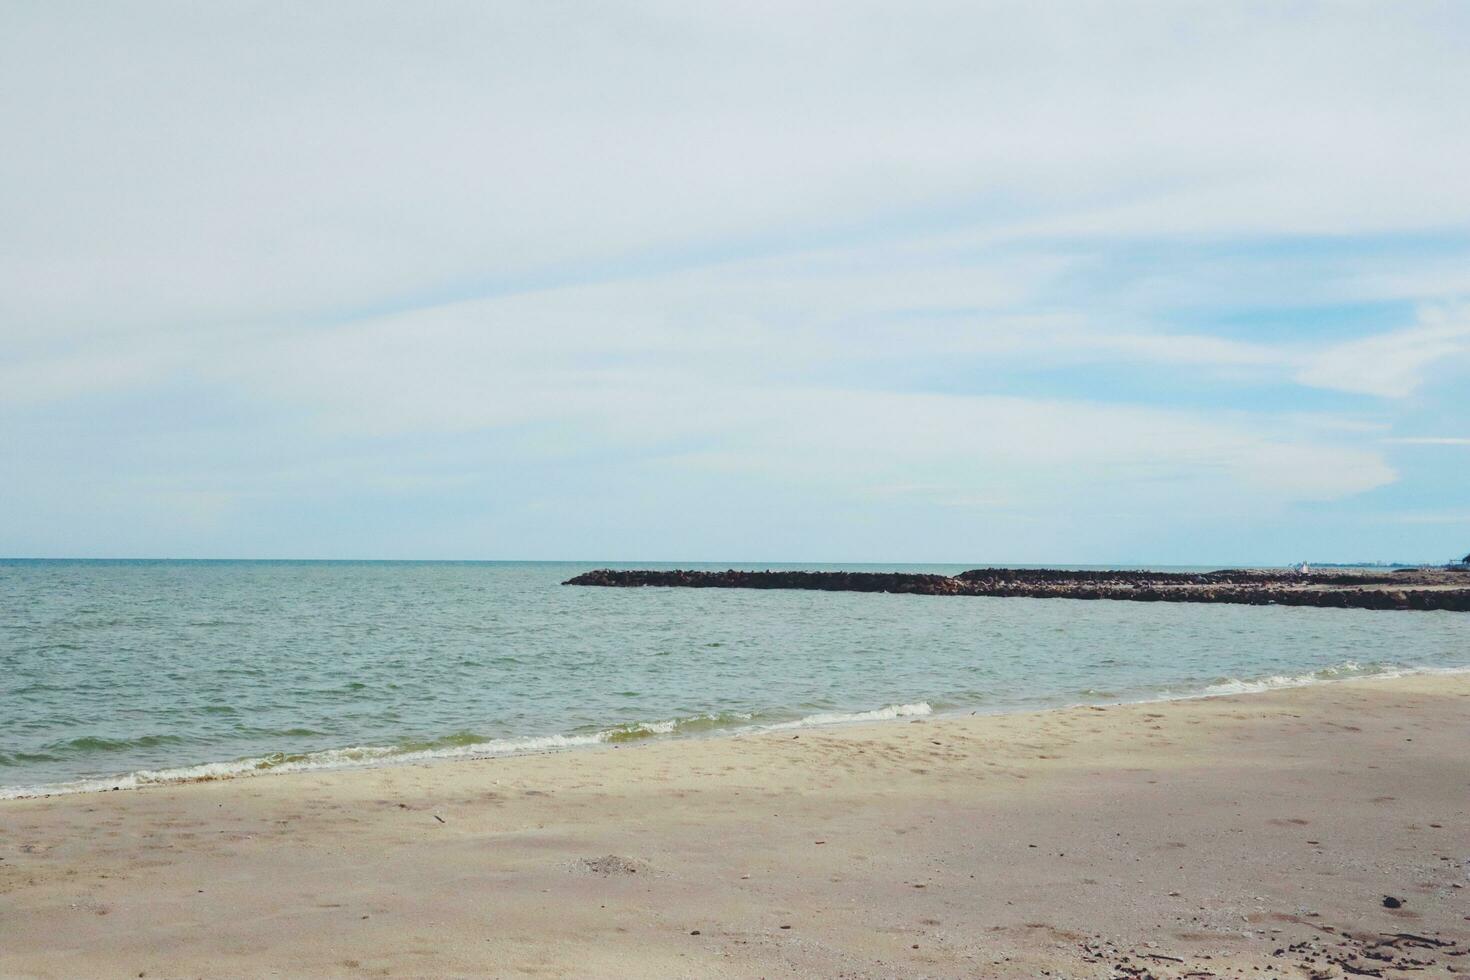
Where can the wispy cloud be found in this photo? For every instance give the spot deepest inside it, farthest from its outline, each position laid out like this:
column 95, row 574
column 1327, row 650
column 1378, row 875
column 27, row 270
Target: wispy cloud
column 1395, row 364
column 1430, row 441
column 1432, row 517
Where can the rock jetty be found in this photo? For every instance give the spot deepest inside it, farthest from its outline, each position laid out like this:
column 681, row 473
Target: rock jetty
column 1420, row 589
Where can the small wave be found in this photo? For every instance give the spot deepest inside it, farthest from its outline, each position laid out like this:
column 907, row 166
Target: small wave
column 1345, row 671
column 838, row 718
column 638, row 730
column 681, row 726
column 353, row 757
column 98, row 743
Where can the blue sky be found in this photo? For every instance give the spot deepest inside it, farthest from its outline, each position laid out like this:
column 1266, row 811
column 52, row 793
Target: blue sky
column 1080, row 282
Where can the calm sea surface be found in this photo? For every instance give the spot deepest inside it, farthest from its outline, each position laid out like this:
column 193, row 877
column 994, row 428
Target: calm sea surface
column 128, row 672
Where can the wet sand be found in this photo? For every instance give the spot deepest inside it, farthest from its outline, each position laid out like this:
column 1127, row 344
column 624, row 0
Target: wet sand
column 1247, row 835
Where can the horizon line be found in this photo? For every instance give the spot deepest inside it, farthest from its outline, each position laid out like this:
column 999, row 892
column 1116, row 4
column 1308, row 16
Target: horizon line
column 717, row 561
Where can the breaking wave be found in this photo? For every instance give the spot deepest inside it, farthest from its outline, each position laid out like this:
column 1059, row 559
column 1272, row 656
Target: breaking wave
column 1347, row 670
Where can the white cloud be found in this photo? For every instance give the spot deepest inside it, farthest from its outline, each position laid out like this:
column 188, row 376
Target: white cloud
column 1430, row 441
column 1045, row 453
column 1393, row 364
column 1431, row 517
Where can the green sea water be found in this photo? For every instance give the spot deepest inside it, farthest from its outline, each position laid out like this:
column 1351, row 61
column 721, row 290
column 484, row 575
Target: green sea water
column 124, row 673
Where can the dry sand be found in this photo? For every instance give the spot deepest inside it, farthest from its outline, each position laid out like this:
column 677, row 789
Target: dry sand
column 1250, row 835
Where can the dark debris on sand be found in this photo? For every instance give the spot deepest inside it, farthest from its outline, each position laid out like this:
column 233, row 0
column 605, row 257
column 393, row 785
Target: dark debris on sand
column 1331, row 956
column 608, row 866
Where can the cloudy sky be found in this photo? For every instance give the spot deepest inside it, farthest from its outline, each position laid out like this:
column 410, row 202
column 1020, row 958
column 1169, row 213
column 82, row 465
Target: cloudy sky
column 1083, row 282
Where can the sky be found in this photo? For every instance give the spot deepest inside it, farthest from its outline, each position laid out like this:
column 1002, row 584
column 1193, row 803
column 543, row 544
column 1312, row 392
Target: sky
column 1125, row 282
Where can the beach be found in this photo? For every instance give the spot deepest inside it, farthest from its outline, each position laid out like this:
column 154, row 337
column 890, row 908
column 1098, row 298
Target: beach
column 1191, row 837
column 653, row 490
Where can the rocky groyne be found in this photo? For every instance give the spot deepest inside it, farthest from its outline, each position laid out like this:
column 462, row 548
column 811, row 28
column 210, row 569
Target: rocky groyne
column 1416, row 589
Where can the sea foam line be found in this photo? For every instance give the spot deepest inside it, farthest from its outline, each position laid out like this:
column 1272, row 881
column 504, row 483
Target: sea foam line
column 1348, row 670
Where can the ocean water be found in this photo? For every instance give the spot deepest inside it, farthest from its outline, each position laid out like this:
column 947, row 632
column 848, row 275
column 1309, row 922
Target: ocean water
column 124, row 673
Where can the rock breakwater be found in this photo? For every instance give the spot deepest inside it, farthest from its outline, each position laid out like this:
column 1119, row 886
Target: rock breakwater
column 1412, row 589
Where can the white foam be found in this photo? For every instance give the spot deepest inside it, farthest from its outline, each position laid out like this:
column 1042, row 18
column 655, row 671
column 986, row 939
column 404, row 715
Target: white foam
column 355, row 757
column 838, row 718
column 503, row 746
column 648, row 728
column 1346, row 671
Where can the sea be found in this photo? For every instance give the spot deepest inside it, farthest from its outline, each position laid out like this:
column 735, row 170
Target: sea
column 122, row 674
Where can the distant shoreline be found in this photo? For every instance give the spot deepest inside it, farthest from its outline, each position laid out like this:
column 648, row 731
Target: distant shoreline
column 1422, row 589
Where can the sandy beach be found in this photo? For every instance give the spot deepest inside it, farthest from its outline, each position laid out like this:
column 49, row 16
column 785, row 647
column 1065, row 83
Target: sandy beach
column 1232, row 836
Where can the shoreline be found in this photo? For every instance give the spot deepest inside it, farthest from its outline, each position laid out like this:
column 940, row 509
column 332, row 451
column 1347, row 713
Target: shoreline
column 370, row 758
column 1202, row 837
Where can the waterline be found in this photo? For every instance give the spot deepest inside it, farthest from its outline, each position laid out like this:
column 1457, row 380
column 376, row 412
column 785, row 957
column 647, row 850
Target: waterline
column 363, row 757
